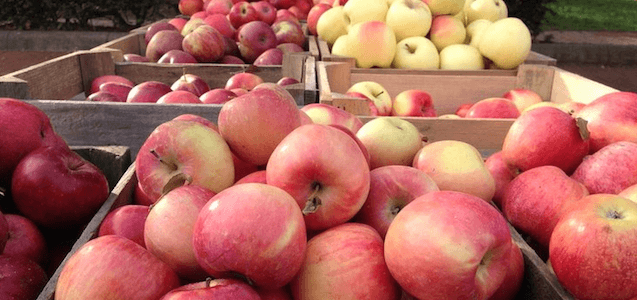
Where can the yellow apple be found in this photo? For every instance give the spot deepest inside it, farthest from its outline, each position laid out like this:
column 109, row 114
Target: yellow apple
column 332, row 24
column 461, row 57
column 373, row 44
column 446, row 30
column 506, row 42
column 366, row 10
column 408, row 18
column 491, row 10
column 390, row 141
column 376, row 93
column 416, row 52
column 630, row 193
column 341, row 47
column 475, row 30
column 445, row 7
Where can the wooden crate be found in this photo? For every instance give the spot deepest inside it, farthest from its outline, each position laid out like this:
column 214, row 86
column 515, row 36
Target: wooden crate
column 533, row 58
column 538, row 282
column 449, row 89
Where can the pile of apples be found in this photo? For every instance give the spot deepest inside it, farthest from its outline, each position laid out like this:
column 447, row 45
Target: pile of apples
column 47, row 194
column 422, row 34
column 189, row 88
column 224, row 31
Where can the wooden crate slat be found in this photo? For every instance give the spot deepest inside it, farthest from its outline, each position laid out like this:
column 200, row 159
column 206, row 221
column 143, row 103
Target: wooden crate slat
column 134, row 42
column 569, row 86
column 537, row 78
column 13, row 87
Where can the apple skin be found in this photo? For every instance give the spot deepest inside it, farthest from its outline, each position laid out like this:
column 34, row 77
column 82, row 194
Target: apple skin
column 379, row 96
column 23, row 128
column 254, row 177
column 225, row 246
column 167, row 231
column 461, row 57
column 97, row 81
column 409, row 18
column 191, row 83
column 491, row 10
column 162, row 42
column 156, row 27
column 21, row 278
column 241, row 13
column 4, row 231
column 204, row 43
column 127, row 265
column 221, row 7
column 603, row 224
column 465, row 221
column 266, row 11
column 254, row 38
column 445, row 7
column 25, row 239
column 231, row 59
column 391, row 188
column 506, row 42
column 191, row 25
column 221, row 23
column 446, row 30
column 290, row 48
column 314, row 15
column 534, row 201
column 76, row 188
column 413, row 103
column 217, row 96
column 126, row 221
column 220, row 288
column 609, row 170
column 177, row 57
column 273, row 114
column 332, row 24
column 185, row 152
column 179, row 97
column 390, row 141
column 493, row 108
column 287, row 81
column 354, row 247
column 278, row 294
column 456, row 166
column 132, row 57
column 243, row 80
column 271, row 57
column 544, row 136
column 190, row 7
column 178, row 22
column 463, row 109
column 611, row 118
column 282, row 4
column 321, row 113
column 119, row 90
column 148, row 92
column 522, row 98
column 287, row 31
column 416, row 52
column 502, row 174
column 329, row 188
column 373, row 44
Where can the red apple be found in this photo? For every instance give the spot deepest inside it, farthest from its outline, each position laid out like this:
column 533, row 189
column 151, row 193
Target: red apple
column 162, row 42
column 321, row 113
column 373, row 109
column 545, row 136
column 97, row 81
column 168, row 229
column 231, row 59
column 413, row 103
column 390, row 189
column 345, row 262
column 191, row 25
column 254, row 177
column 213, row 289
column 177, row 57
column 228, row 238
column 271, row 57
column 290, row 48
column 204, row 43
column 282, row 4
column 178, row 22
column 217, row 96
column 301, row 8
column 197, row 118
column 21, row 278
column 75, row 188
column 140, row 197
column 25, row 239
column 102, row 97
column 230, row 47
column 148, row 92
column 265, row 10
column 242, row 167
column 199, row 15
column 314, row 14
column 191, row 83
column 182, row 152
column 493, row 108
column 126, row 221
column 287, row 31
column 591, row 249
column 241, row 13
column 112, row 266
column 610, row 170
column 534, row 201
column 4, row 232
column 239, row 91
column 278, row 294
column 483, row 257
column 117, row 89
column 287, row 81
column 243, row 80
column 463, row 109
column 157, row 27
column 522, row 98
column 132, row 57
column 189, row 7
column 179, row 97
column 502, row 174
column 272, row 114
column 285, row 14
column 221, row 7
column 611, row 118
column 255, row 38
column 221, row 23
column 329, row 188
column 358, row 141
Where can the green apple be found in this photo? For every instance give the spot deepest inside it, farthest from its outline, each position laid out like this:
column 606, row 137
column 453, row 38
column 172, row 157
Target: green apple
column 416, row 52
column 409, row 18
column 332, row 24
column 506, row 42
column 461, row 57
column 341, row 46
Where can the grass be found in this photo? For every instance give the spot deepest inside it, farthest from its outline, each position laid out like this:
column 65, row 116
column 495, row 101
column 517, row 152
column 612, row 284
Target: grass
column 613, row 15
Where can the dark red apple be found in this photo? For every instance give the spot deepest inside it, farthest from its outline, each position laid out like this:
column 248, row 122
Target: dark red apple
column 191, row 83
column 132, row 57
column 271, row 57
column 290, row 48
column 126, row 221
column 177, row 57
column 282, row 4
column 265, row 10
column 254, row 177
column 231, row 59
column 21, row 278
column 103, row 97
column 97, row 81
column 242, row 13
column 25, row 239
column 4, row 231
column 140, row 197
column 148, row 92
column 162, row 42
column 157, row 27
column 255, row 38
column 117, row 89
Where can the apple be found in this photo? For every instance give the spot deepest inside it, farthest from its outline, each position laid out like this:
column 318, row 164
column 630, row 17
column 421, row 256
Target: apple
column 461, row 57
column 189, row 7
column 156, row 27
column 242, row 12
column 475, row 30
column 221, row 23
column 254, row 177
column 282, row 4
column 25, row 239
column 390, row 141
column 148, row 91
column 272, row 114
column 271, row 57
column 522, row 98
column 217, row 96
column 191, row 83
column 4, row 231
column 197, row 118
column 629, row 193
column 178, row 22
column 221, row 7
column 416, row 52
column 491, row 10
column 485, row 260
column 502, row 173
column 117, row 89
column 239, row 91
column 287, row 31
column 277, row 294
column 227, row 238
column 462, row 109
column 493, row 108
column 325, row 114
column 360, row 11
column 609, row 170
column 345, row 262
column 179, row 97
column 391, row 188
column 255, row 38
column 285, row 80
column 604, row 225
column 506, row 42
column 535, row 200
column 378, row 95
column 446, row 30
column 301, row 9
column 409, row 18
column 545, row 136
column 182, row 152
column 243, row 80
column 456, row 166
column 177, row 57
column 265, row 10
column 191, row 25
column 204, row 43
column 167, row 231
column 332, row 24
column 76, row 188
column 114, row 261
column 571, row 107
column 21, row 278
column 97, row 81
column 199, row 15
column 290, row 48
column 162, row 42
column 231, row 59
column 126, row 221
column 132, row 57
column 329, row 188
column 445, row 7
column 140, row 197
column 413, row 103
column 611, row 118
column 285, row 14
column 221, row 288
column 373, row 44
column 314, row 14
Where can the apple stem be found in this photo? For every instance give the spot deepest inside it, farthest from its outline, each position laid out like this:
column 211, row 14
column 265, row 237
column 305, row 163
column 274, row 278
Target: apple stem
column 313, row 201
column 381, row 92
column 613, row 214
column 395, row 210
column 208, row 281
column 583, row 129
column 171, row 165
